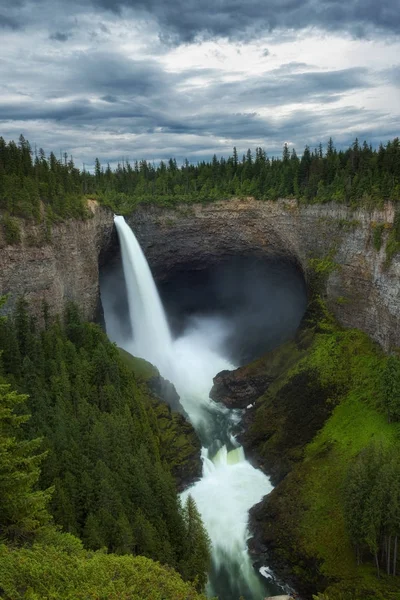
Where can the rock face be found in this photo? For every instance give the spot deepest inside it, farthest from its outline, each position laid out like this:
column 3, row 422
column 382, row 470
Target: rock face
column 166, row 391
column 362, row 292
column 62, row 268
column 236, row 390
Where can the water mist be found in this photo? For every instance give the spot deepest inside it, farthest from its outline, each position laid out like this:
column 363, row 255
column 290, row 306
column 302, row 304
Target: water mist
column 230, row 486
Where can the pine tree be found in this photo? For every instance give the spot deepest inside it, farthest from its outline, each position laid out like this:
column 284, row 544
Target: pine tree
column 390, row 383
column 22, row 509
column 198, row 545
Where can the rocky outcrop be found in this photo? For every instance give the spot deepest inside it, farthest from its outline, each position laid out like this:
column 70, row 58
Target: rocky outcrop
column 236, row 390
column 166, row 391
column 362, row 291
column 56, row 265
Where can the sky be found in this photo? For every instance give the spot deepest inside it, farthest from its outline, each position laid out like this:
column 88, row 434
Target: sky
column 134, row 79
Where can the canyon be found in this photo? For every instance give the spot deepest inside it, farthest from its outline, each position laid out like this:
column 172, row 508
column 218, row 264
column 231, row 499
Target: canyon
column 360, row 288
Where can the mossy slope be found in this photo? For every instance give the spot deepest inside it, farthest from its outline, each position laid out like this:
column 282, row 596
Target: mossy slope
column 322, row 410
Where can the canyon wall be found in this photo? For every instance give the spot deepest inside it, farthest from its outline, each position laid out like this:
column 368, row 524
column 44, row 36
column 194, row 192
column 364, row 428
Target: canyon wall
column 58, row 265
column 362, row 290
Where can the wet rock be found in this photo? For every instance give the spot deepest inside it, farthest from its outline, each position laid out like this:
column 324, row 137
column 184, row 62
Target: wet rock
column 363, row 291
column 237, row 389
column 165, row 391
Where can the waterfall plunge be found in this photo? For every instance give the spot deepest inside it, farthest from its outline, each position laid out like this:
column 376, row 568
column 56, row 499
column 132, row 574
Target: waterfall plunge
column 152, row 336
column 230, row 486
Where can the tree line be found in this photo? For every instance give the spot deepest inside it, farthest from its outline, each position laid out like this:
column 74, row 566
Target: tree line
column 103, row 475
column 31, row 182
column 372, row 506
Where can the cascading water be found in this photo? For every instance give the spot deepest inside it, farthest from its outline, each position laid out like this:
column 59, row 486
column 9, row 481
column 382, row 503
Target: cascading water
column 152, row 336
column 230, row 486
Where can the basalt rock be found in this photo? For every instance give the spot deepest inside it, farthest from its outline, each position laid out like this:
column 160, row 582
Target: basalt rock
column 237, row 389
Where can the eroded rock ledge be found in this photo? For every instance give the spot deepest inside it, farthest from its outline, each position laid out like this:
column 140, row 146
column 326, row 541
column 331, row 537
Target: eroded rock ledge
column 236, row 390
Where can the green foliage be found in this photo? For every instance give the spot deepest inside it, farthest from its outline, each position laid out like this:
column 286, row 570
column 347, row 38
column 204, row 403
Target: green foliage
column 31, row 186
column 379, row 228
column 358, row 176
column 307, row 517
column 372, row 507
column 12, row 232
column 22, row 508
column 393, row 242
column 392, row 248
column 323, row 266
column 58, row 568
column 319, row 271
column 390, row 382
column 106, row 458
column 198, row 546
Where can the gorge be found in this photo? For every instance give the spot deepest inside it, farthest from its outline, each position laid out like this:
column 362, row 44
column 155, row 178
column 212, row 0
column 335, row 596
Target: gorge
column 323, row 245
column 361, row 289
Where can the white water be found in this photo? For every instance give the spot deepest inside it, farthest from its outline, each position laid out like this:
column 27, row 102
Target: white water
column 230, row 486
column 152, row 336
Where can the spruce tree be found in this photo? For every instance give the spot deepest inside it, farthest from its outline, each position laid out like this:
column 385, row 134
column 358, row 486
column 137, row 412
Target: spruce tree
column 22, row 508
column 198, row 545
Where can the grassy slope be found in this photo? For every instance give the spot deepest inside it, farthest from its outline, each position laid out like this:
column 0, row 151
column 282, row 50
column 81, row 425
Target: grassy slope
column 303, row 520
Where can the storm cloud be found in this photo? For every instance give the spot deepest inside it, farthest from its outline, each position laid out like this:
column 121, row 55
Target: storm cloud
column 186, row 20
column 151, row 80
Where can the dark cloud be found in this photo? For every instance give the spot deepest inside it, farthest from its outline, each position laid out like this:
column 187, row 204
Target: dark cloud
column 198, row 137
column 7, row 22
column 186, row 20
column 288, row 85
column 112, row 95
column 109, row 98
column 58, row 36
column 44, row 111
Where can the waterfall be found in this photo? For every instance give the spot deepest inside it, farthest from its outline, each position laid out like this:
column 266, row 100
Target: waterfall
column 230, row 486
column 152, row 339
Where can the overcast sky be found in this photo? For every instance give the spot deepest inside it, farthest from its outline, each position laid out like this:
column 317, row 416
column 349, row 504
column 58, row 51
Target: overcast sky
column 190, row 78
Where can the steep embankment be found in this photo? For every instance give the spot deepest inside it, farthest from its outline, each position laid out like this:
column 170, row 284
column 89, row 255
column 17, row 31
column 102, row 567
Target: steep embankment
column 181, row 447
column 322, row 405
column 56, row 264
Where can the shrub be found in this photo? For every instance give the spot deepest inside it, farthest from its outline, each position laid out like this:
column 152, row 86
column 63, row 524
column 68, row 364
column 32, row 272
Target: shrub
column 12, row 231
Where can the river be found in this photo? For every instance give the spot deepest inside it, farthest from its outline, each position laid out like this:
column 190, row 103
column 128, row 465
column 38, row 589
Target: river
column 230, row 485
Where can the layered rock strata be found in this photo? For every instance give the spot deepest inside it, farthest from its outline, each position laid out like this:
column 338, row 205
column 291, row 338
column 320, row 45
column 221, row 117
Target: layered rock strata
column 362, row 290
column 58, row 265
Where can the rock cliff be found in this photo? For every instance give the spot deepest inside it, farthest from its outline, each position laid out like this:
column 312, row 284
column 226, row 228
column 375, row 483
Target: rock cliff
column 362, row 291
column 58, row 265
